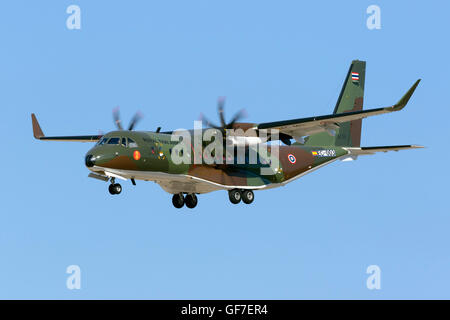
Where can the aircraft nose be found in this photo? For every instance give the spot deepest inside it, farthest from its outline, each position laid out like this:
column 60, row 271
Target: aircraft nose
column 89, row 160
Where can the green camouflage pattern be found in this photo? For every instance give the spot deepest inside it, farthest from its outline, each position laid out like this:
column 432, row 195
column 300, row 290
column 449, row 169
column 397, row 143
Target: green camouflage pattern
column 151, row 155
column 155, row 156
column 350, row 99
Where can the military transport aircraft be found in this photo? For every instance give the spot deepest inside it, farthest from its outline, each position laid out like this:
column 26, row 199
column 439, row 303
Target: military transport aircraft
column 318, row 141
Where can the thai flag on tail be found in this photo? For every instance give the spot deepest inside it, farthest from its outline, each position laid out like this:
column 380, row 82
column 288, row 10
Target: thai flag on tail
column 355, row 77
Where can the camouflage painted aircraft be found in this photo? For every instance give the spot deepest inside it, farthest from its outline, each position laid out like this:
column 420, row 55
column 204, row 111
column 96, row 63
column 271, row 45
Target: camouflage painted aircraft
column 318, row 141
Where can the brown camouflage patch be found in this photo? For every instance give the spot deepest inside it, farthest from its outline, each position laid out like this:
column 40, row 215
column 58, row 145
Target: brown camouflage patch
column 304, row 159
column 227, row 178
column 121, row 162
column 356, row 125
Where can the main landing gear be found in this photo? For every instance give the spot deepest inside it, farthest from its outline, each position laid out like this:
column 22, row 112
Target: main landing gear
column 178, row 200
column 114, row 188
column 237, row 195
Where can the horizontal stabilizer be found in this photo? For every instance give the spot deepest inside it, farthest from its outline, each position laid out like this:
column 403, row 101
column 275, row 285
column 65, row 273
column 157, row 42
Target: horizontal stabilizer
column 373, row 150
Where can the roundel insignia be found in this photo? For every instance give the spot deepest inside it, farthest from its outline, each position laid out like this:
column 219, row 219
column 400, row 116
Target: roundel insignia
column 136, row 155
column 291, row 158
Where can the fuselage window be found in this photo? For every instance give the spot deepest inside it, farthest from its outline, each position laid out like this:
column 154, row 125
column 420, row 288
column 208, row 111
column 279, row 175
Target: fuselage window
column 114, row 141
column 124, row 142
column 131, row 143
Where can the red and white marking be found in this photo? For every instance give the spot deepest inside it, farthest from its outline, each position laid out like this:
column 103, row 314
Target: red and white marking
column 292, row 158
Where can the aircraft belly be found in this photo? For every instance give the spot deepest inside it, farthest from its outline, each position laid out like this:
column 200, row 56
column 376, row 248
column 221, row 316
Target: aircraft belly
column 227, row 177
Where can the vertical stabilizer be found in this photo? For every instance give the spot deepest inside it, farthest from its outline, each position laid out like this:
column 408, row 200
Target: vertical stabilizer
column 350, row 99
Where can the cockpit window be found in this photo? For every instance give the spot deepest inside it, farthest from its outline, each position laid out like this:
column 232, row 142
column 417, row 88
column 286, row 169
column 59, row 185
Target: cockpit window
column 102, row 141
column 131, row 143
column 114, row 141
column 124, row 142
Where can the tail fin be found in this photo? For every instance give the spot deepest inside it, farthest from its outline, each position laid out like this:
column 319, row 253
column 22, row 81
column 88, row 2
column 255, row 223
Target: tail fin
column 350, row 99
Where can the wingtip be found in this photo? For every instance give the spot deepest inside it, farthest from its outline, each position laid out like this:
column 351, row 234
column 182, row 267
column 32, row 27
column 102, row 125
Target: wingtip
column 404, row 100
column 37, row 131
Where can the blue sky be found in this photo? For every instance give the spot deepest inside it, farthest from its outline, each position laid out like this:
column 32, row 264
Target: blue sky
column 286, row 59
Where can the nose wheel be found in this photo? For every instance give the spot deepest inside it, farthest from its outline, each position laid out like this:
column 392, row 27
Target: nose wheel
column 114, row 188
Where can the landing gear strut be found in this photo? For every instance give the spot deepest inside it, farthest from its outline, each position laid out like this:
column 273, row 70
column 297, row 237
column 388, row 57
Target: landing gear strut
column 114, row 188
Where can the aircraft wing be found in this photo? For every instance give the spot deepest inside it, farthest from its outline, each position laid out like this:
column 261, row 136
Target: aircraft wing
column 297, row 128
column 38, row 134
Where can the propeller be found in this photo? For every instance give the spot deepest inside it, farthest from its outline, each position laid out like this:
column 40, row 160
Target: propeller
column 116, row 116
column 285, row 138
column 136, row 118
column 223, row 124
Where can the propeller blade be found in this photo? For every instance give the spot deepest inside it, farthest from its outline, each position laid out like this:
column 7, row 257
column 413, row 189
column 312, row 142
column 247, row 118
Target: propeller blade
column 116, row 117
column 238, row 116
column 138, row 116
column 223, row 124
column 220, row 104
column 208, row 123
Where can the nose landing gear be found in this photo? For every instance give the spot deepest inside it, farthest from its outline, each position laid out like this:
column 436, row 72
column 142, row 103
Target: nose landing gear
column 114, row 188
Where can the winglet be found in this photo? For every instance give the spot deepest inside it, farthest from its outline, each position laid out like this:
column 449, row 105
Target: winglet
column 404, row 100
column 37, row 131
